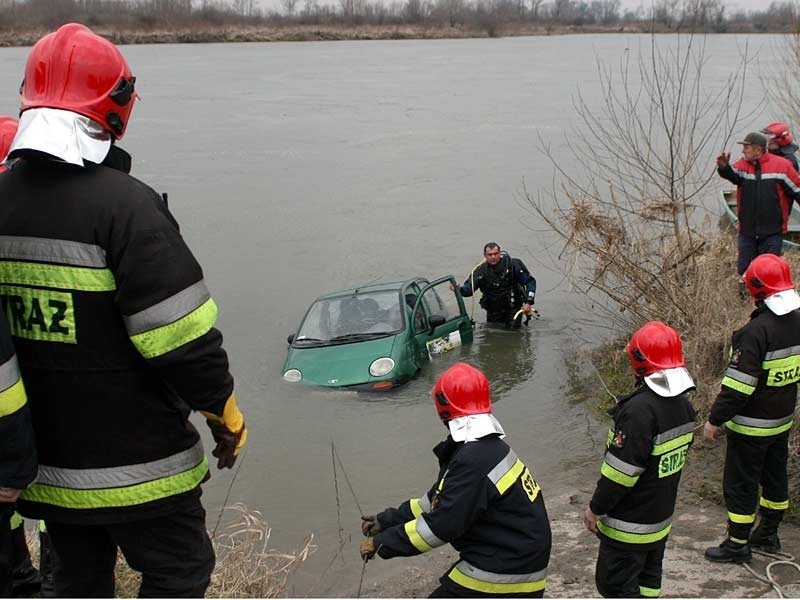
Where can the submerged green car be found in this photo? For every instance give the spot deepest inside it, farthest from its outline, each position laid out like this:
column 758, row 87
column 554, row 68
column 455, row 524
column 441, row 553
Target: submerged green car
column 377, row 336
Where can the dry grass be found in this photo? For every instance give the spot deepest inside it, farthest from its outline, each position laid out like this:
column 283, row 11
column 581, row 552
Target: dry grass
column 246, row 566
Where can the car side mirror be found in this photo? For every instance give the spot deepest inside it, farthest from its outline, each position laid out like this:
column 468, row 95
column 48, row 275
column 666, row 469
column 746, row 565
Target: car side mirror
column 290, row 339
column 434, row 321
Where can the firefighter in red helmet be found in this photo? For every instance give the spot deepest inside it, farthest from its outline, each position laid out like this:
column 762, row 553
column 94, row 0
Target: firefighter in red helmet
column 485, row 503
column 115, row 328
column 756, row 405
column 632, row 507
column 781, row 142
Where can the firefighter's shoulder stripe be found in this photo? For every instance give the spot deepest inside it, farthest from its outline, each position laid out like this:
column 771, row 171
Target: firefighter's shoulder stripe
column 505, row 473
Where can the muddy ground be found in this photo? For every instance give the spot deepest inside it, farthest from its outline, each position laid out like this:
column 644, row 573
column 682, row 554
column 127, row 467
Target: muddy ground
column 699, row 523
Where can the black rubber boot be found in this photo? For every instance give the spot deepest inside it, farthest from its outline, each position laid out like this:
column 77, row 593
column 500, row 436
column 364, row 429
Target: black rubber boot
column 729, row 551
column 765, row 536
column 25, row 580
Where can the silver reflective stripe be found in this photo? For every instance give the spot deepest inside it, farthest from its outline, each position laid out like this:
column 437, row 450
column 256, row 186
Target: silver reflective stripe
column 426, row 534
column 169, row 310
column 741, row 377
column 424, row 503
column 490, row 577
column 9, row 373
column 673, row 433
column 113, row 477
column 766, row 176
column 501, row 468
column 635, row 527
column 782, row 353
column 622, row 466
column 63, row 252
column 764, row 423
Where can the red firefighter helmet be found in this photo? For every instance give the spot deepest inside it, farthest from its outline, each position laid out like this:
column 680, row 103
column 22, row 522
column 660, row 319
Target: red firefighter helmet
column 77, row 70
column 460, row 391
column 8, row 129
column 767, row 275
column 779, row 132
column 655, row 347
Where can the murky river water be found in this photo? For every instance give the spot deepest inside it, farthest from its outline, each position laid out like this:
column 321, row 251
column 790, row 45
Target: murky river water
column 301, row 168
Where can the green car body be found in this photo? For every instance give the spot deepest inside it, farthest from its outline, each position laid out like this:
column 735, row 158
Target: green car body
column 377, row 336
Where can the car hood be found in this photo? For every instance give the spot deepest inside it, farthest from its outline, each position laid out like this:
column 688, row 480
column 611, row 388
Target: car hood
column 340, row 365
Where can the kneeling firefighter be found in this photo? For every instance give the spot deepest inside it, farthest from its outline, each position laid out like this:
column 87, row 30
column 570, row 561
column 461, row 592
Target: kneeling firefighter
column 508, row 288
column 485, row 503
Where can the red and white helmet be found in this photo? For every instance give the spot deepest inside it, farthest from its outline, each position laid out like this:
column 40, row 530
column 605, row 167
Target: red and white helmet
column 769, row 278
column 75, row 69
column 655, row 347
column 779, row 133
column 460, row 391
column 656, row 354
column 8, row 129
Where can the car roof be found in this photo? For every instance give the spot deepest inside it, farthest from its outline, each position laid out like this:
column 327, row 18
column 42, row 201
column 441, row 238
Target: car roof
column 387, row 286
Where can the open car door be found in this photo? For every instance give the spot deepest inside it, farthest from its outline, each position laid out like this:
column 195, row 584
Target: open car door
column 439, row 318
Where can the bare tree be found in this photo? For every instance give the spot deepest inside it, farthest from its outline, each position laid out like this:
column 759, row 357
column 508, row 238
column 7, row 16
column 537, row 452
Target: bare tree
column 646, row 155
column 289, row 7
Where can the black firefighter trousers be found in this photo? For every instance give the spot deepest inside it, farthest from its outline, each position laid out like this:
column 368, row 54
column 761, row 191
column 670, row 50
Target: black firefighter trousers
column 6, row 549
column 172, row 552
column 750, row 461
column 629, row 573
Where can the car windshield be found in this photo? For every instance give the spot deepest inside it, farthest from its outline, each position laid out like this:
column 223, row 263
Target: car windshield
column 351, row 318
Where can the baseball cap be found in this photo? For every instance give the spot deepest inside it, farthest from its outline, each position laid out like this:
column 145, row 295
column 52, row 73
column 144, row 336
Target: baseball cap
column 755, row 139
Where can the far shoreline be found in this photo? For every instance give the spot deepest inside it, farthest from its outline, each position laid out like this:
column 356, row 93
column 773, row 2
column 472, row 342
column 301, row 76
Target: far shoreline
column 291, row 32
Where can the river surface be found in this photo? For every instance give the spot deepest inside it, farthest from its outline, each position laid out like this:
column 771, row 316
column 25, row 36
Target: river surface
column 297, row 169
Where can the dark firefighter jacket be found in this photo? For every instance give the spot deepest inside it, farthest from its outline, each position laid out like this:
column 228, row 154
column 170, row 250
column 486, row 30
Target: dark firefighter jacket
column 487, row 505
column 504, row 286
column 764, row 192
column 646, row 451
column 788, row 152
column 17, row 445
column 759, row 389
column 114, row 328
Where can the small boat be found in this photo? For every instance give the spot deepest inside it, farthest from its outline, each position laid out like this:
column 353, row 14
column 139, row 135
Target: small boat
column 791, row 239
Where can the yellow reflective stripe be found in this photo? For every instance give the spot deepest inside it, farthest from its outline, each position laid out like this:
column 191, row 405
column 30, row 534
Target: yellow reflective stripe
column 758, row 431
column 672, row 444
column 507, row 480
column 649, row 592
column 616, row 476
column 496, row 588
column 16, row 520
column 123, row 496
column 738, row 386
column 773, row 505
column 62, row 277
column 415, row 538
column 12, row 399
column 742, row 519
column 737, row 540
column 416, row 509
column 161, row 340
column 633, row 538
column 42, row 526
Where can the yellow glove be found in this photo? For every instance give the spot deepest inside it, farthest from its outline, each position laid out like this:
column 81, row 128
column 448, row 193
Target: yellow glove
column 229, row 432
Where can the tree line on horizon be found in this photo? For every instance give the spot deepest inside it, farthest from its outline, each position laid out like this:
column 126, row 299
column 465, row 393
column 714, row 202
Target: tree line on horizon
column 780, row 16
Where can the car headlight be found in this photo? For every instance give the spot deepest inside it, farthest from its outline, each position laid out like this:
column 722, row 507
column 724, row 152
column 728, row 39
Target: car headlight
column 292, row 376
column 381, row 367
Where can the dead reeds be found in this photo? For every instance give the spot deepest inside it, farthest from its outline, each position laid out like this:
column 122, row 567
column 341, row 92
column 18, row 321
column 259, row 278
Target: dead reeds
column 246, row 566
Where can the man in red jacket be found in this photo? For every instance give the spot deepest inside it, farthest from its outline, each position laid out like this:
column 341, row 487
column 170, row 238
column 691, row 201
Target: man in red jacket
column 766, row 185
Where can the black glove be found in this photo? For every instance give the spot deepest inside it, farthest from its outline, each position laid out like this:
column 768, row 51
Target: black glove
column 370, row 525
column 228, row 443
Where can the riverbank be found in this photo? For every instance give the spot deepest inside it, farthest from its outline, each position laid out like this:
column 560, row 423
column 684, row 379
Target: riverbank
column 289, row 32
column 699, row 523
